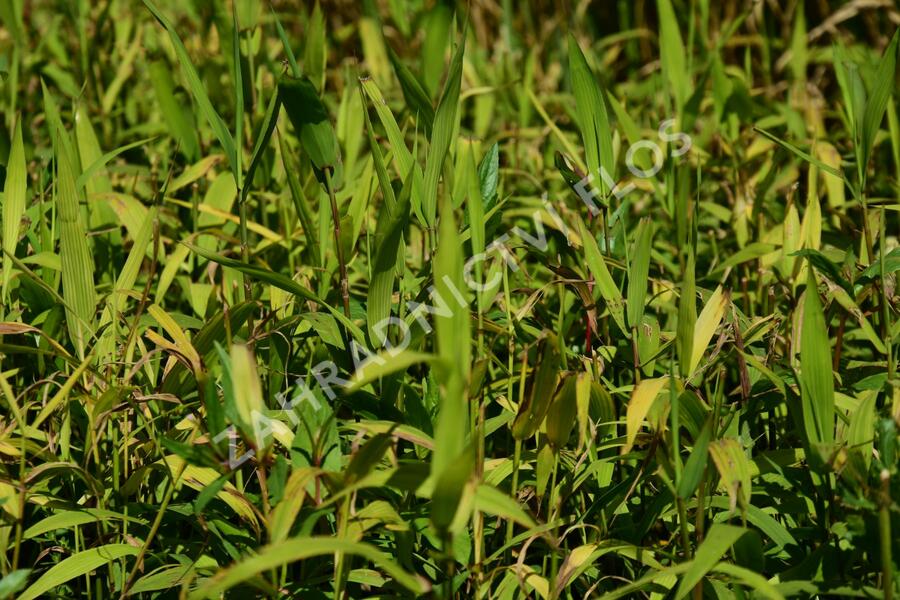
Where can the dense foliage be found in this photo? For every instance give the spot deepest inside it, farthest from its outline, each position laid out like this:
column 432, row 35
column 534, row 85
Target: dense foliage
column 449, row 299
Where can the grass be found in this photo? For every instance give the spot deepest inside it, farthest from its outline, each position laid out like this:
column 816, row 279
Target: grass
column 454, row 300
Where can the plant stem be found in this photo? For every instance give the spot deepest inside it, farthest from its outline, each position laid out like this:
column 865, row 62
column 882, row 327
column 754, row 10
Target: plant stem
column 339, row 250
column 884, row 526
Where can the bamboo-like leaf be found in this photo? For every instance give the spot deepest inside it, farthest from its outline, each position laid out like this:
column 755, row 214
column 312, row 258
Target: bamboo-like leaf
column 402, row 156
column 282, row 35
column 695, row 466
column 301, row 548
column 449, row 505
column 734, row 470
column 248, row 398
column 388, row 243
column 687, row 318
column 672, row 53
column 638, row 271
column 718, row 540
column 882, row 88
column 800, row 153
column 706, row 325
column 311, row 122
column 593, row 120
column 315, row 49
column 177, row 334
column 75, row 255
column 561, row 415
column 124, row 283
column 413, row 92
column 816, row 379
column 862, row 425
column 76, row 566
column 492, row 501
column 445, row 121
column 285, row 512
column 608, row 290
column 543, row 385
column 301, row 203
column 280, row 281
column 453, row 342
column 14, row 200
column 178, row 116
column 385, row 363
column 197, row 90
column 68, row 519
column 642, row 398
column 200, row 478
column 262, row 141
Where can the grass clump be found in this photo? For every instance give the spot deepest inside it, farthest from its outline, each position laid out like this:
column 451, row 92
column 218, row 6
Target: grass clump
column 446, row 299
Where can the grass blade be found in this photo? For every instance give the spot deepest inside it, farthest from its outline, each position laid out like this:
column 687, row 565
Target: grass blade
column 75, row 255
column 882, row 88
column 816, row 379
column 445, row 122
column 199, row 93
column 14, row 200
column 720, row 538
column 638, row 271
column 76, row 566
column 593, row 120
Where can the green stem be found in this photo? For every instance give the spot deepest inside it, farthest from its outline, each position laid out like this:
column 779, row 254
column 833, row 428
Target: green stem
column 884, row 523
column 342, row 265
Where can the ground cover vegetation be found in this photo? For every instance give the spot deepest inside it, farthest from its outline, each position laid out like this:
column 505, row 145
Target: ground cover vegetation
column 478, row 299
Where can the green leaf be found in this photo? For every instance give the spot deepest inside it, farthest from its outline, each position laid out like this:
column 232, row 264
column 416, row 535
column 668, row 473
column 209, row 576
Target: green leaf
column 687, row 318
column 12, row 582
column 695, row 466
column 800, row 153
column 385, row 363
column 492, row 501
column 608, row 290
column 301, row 203
column 672, row 53
column 734, row 470
column 561, row 416
column 178, row 116
column 311, row 123
column 102, row 161
column 389, row 232
column 453, row 342
column 447, row 498
column 638, row 271
column 280, row 281
column 301, row 548
column 75, row 255
column 413, row 92
column 286, row 44
column 400, row 152
column 882, row 88
column 593, row 120
column 719, row 539
column 543, row 385
column 14, row 201
column 445, row 121
column 860, row 434
column 71, row 518
column 315, row 50
column 262, row 142
column 642, row 399
column 246, row 388
column 197, row 90
column 76, row 566
column 706, row 325
column 816, row 379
